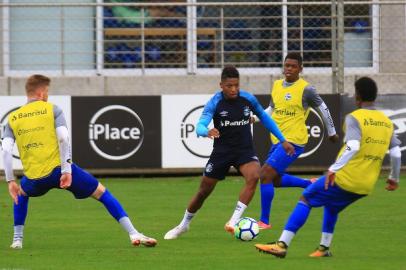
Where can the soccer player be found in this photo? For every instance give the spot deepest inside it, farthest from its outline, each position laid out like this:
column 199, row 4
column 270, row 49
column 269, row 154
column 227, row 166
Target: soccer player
column 230, row 110
column 369, row 134
column 40, row 132
column 289, row 107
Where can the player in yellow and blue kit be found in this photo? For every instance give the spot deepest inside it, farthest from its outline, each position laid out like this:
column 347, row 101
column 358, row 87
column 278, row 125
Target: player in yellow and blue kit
column 289, row 108
column 230, row 110
column 40, row 132
column 368, row 135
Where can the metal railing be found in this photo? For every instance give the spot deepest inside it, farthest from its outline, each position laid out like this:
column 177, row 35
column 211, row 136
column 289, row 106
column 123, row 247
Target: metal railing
column 112, row 38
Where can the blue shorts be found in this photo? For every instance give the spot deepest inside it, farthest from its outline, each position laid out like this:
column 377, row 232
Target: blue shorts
column 219, row 163
column 334, row 197
column 279, row 160
column 83, row 183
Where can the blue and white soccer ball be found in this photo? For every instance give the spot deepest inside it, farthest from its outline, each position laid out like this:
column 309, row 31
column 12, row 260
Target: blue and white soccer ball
column 246, row 229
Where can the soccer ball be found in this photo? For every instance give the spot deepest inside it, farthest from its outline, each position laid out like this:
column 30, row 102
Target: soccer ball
column 246, row 229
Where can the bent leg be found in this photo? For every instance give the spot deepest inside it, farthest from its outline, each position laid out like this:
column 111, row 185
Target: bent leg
column 268, row 176
column 207, row 185
column 250, row 171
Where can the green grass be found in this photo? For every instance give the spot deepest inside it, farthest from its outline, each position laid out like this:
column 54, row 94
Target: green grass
column 64, row 233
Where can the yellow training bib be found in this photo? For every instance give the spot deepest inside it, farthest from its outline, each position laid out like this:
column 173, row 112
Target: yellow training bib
column 360, row 174
column 288, row 111
column 33, row 126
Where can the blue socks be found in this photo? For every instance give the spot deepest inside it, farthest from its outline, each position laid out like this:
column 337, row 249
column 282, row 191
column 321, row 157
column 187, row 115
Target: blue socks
column 298, row 217
column 267, row 193
column 288, row 180
column 113, row 205
column 329, row 220
column 20, row 210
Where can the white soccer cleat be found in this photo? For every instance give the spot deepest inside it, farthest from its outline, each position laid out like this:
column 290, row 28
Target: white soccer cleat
column 17, row 244
column 175, row 232
column 140, row 239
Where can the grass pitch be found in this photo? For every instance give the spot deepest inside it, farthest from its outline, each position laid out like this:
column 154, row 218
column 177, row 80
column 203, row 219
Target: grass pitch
column 64, row 233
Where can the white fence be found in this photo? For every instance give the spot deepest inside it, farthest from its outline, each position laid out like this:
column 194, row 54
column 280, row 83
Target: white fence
column 338, row 40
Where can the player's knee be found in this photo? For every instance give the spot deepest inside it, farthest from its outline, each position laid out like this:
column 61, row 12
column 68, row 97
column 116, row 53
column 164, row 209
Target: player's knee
column 99, row 191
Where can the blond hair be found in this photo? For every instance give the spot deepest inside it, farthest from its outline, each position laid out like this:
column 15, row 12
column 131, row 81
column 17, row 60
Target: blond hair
column 36, row 81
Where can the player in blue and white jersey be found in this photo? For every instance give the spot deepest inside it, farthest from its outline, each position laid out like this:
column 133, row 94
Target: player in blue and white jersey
column 230, row 110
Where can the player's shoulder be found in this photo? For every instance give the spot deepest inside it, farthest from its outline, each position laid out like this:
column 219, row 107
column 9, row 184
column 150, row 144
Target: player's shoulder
column 215, row 99
column 247, row 95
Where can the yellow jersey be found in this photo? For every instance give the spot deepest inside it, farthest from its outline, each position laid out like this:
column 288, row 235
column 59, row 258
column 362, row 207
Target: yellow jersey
column 360, row 174
column 33, row 126
column 288, row 112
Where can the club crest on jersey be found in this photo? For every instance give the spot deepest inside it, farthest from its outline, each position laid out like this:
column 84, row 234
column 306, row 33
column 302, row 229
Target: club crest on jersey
column 247, row 111
column 224, row 113
column 288, row 96
column 209, row 167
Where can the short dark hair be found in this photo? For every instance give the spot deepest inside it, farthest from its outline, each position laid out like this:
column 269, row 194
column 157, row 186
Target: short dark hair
column 35, row 81
column 366, row 89
column 295, row 56
column 229, row 72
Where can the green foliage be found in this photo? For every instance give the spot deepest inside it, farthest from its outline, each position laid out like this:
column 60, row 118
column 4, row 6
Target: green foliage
column 64, row 233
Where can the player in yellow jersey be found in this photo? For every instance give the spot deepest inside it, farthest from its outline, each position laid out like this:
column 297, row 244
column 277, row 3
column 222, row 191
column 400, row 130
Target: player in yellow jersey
column 291, row 99
column 39, row 129
column 368, row 135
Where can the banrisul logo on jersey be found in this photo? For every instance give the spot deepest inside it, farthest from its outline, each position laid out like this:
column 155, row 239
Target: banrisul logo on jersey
column 116, row 132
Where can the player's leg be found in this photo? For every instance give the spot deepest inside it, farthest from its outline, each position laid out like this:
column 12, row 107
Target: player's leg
column 313, row 196
column 273, row 175
column 29, row 188
column 85, row 185
column 20, row 214
column 330, row 217
column 339, row 200
column 207, row 185
column 215, row 170
column 248, row 165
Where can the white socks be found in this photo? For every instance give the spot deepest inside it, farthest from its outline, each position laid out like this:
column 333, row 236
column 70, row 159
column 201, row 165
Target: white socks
column 326, row 239
column 18, row 232
column 186, row 219
column 128, row 226
column 239, row 210
column 287, row 237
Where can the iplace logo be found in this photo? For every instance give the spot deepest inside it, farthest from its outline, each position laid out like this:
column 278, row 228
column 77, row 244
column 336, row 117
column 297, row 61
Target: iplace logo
column 116, row 132
column 316, row 131
column 200, row 147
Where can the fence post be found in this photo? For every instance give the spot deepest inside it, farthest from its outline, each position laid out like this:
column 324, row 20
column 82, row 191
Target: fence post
column 191, row 38
column 340, row 46
column 334, row 47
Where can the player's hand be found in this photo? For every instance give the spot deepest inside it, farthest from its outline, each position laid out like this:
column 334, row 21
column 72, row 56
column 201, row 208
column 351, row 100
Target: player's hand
column 65, row 181
column 288, row 147
column 334, row 138
column 392, row 185
column 213, row 133
column 14, row 190
column 252, row 120
column 330, row 179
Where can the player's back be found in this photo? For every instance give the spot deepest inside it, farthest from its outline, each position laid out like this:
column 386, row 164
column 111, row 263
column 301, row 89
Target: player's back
column 360, row 174
column 33, row 126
